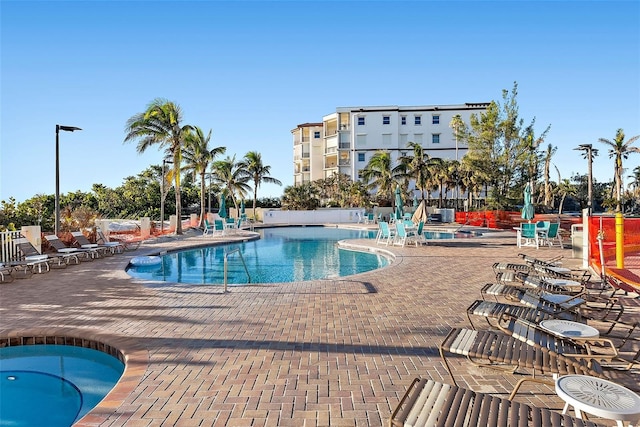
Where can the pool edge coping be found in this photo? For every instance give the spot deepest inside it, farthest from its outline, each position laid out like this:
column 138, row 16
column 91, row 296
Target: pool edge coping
column 134, row 358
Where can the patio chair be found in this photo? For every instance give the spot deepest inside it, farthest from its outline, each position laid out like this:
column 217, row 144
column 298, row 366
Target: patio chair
column 513, row 292
column 493, row 311
column 385, row 233
column 401, row 234
column 35, row 261
column 582, row 276
column 417, row 236
column 71, row 254
column 427, row 402
column 97, row 250
column 208, row 228
column 103, row 240
column 506, row 352
column 528, row 235
column 553, row 234
column 551, row 262
column 5, row 273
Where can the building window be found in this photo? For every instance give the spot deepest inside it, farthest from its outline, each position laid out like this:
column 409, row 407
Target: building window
column 403, row 154
column 361, row 157
column 386, row 120
column 417, row 138
column 404, row 139
column 417, row 120
column 435, row 138
column 403, row 120
column 386, row 139
column 361, row 140
column 316, row 135
column 435, row 119
column 360, row 121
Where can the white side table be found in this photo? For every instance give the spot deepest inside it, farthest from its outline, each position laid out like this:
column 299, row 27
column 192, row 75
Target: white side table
column 598, row 397
column 569, row 329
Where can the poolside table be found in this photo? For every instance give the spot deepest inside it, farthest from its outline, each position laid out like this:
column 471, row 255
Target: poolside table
column 598, row 397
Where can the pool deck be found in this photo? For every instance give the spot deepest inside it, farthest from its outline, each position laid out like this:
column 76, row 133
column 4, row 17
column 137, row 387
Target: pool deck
column 322, row 353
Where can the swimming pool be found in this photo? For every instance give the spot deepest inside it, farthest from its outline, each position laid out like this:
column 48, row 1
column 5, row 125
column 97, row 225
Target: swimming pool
column 284, row 254
column 53, row 385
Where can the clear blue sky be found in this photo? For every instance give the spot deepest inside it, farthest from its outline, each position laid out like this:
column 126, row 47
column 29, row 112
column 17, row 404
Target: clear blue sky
column 252, row 71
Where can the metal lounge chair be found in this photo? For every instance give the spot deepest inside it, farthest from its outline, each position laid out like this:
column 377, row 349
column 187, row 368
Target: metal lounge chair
column 493, row 311
column 506, row 352
column 72, row 254
column 590, row 349
column 430, row 403
column 103, row 240
column 84, row 243
column 35, row 261
column 5, row 273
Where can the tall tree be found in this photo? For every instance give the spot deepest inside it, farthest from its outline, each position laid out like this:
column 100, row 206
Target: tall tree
column 417, row 167
column 230, row 176
column 548, row 195
column 619, row 150
column 381, row 175
column 258, row 172
column 198, row 156
column 161, row 124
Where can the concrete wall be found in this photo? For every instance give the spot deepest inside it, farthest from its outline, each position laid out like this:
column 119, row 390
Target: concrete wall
column 319, row 216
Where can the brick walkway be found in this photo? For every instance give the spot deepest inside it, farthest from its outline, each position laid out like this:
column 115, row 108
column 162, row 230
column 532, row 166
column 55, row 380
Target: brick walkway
column 321, row 353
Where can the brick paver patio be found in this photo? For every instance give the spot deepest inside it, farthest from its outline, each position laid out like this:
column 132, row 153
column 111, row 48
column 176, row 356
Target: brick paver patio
column 322, row 353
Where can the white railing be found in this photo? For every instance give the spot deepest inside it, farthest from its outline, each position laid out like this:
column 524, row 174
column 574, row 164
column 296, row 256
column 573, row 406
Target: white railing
column 8, row 251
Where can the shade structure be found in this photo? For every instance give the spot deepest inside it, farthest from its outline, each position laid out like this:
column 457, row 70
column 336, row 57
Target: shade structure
column 527, row 209
column 399, row 204
column 421, row 213
column 223, row 207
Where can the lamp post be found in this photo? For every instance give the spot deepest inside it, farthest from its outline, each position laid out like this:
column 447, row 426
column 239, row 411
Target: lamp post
column 589, row 152
column 162, row 194
column 58, row 129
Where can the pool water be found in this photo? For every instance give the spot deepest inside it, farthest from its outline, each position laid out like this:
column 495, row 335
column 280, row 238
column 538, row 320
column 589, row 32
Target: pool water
column 53, row 385
column 286, row 254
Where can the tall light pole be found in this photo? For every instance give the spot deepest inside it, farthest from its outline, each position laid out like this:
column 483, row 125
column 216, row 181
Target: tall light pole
column 589, row 153
column 162, row 195
column 58, row 129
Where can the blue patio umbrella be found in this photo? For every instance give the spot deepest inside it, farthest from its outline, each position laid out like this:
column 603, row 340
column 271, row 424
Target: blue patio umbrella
column 399, row 203
column 223, row 207
column 527, row 210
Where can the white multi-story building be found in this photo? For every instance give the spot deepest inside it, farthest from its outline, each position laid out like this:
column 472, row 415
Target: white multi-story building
column 345, row 140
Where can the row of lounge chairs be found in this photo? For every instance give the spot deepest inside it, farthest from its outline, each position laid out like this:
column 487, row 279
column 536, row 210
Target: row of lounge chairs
column 517, row 342
column 31, row 261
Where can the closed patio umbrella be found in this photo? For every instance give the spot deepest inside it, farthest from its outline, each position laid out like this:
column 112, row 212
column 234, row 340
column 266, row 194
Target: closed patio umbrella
column 242, row 207
column 421, row 213
column 527, row 210
column 415, row 201
column 399, row 203
column 223, row 207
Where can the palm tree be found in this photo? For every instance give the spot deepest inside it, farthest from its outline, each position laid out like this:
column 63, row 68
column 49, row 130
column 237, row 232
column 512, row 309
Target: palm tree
column 380, row 175
column 232, row 178
column 548, row 196
column 160, row 124
column 198, row 156
column 257, row 171
column 620, row 149
column 417, row 167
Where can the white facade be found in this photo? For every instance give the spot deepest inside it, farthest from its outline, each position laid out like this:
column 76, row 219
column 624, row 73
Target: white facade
column 346, row 140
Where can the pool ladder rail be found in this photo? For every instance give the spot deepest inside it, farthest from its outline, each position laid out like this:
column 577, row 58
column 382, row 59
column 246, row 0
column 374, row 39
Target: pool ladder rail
column 226, row 261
